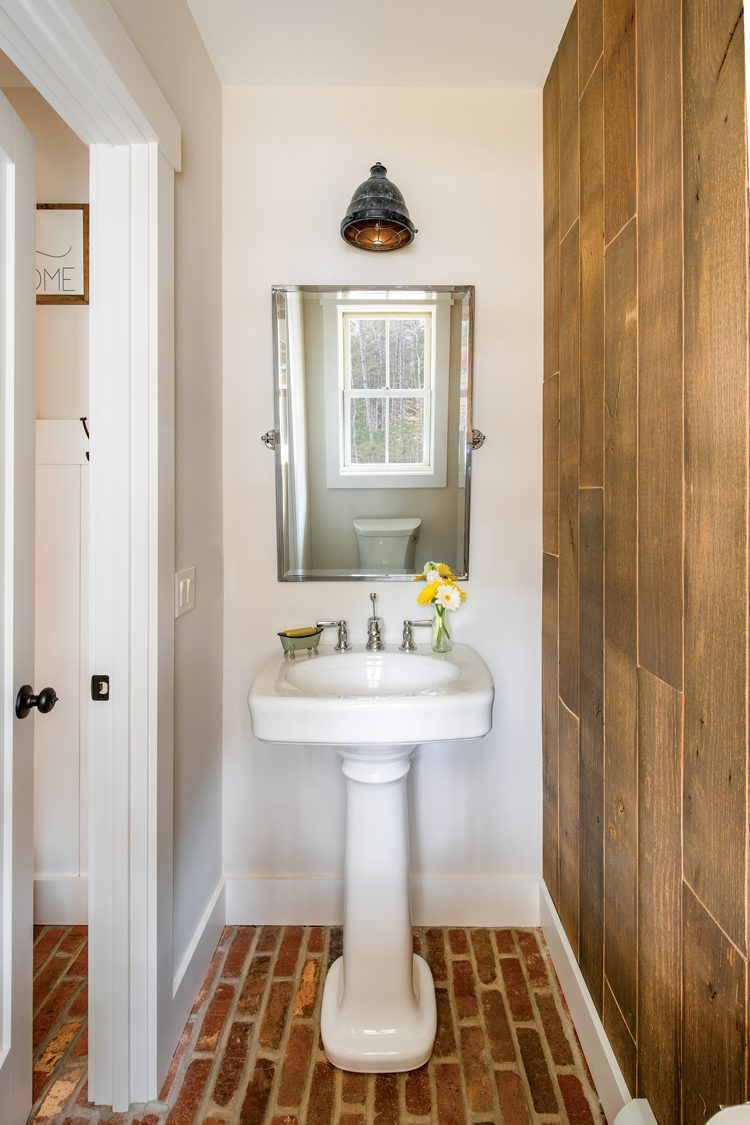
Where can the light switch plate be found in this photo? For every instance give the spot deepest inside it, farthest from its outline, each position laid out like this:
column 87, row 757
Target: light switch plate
column 184, row 591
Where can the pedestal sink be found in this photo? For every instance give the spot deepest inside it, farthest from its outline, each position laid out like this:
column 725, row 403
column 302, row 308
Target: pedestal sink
column 375, row 708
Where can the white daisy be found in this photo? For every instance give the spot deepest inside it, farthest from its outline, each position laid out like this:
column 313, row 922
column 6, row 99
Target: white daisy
column 431, row 574
column 448, row 596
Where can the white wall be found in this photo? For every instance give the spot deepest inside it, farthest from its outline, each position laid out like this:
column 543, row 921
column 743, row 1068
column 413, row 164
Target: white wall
column 469, row 165
column 168, row 40
column 62, row 331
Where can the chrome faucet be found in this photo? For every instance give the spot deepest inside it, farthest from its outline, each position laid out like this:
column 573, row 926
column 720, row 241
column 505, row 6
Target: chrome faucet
column 342, row 644
column 375, row 642
column 407, row 642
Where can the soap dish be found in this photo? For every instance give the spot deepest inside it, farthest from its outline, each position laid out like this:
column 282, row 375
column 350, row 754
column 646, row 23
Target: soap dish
column 295, row 640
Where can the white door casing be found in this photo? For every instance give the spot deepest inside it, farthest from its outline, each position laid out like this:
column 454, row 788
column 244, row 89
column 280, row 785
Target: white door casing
column 17, row 395
column 131, row 630
column 77, row 54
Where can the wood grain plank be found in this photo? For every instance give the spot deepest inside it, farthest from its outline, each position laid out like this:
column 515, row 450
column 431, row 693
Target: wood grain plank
column 619, row 115
column 592, row 283
column 551, row 164
column 659, row 895
column 590, row 43
column 621, row 610
column 713, row 1026
column 569, row 843
column 716, row 458
column 551, row 468
column 620, row 1038
column 568, row 74
column 550, row 707
column 569, row 444
column 591, row 800
column 660, row 417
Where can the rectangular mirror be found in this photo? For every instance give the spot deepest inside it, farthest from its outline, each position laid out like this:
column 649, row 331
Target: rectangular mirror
column 373, row 429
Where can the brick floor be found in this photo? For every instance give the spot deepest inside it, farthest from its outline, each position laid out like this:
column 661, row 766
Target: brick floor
column 506, row 1051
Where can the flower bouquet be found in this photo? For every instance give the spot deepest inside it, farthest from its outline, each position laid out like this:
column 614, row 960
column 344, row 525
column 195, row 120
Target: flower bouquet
column 442, row 593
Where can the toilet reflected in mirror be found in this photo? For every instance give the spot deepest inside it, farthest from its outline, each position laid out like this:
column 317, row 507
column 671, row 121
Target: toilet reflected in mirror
column 387, row 545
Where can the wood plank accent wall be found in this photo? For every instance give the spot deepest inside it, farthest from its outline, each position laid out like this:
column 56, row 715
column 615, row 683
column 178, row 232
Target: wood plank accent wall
column 646, row 550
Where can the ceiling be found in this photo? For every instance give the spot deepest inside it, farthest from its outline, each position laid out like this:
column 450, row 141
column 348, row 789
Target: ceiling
column 456, row 43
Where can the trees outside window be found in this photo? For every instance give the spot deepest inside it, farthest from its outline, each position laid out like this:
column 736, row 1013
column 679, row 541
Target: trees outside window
column 388, row 383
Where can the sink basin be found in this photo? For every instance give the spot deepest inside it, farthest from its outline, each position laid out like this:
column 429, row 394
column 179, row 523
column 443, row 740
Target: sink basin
column 357, row 674
column 378, row 1013
column 360, row 697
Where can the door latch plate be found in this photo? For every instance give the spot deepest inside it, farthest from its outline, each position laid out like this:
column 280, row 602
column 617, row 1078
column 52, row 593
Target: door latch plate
column 100, row 689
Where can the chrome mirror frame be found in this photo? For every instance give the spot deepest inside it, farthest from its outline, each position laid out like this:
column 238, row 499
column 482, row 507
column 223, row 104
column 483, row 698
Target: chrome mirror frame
column 272, row 438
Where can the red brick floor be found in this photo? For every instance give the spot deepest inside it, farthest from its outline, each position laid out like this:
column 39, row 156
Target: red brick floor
column 506, row 1051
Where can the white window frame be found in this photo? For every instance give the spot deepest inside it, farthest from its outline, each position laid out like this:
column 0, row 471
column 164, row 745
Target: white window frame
column 340, row 473
column 349, row 394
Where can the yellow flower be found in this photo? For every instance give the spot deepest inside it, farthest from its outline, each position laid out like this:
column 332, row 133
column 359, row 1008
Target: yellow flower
column 445, row 571
column 427, row 596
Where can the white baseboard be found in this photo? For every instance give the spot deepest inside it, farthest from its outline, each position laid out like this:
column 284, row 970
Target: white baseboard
column 255, row 901
column 637, row 1112
column 610, row 1084
column 61, row 900
column 190, row 975
column 194, row 964
column 502, row 901
column 497, row 902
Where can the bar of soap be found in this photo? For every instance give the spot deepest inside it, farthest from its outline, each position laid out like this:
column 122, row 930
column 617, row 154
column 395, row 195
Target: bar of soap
column 306, row 632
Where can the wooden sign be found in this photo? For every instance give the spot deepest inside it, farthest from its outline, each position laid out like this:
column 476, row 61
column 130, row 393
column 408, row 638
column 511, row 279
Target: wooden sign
column 62, row 254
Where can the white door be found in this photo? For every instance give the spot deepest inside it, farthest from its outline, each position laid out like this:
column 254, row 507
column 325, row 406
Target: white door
column 17, row 409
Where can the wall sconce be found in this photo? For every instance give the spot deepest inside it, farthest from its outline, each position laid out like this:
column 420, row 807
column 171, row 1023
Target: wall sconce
column 377, row 218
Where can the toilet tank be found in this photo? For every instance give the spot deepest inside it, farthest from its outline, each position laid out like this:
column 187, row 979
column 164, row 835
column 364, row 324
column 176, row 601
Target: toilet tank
column 387, row 544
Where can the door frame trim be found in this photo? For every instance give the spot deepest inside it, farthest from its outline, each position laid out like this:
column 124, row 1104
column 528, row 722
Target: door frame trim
column 80, row 58
column 17, row 172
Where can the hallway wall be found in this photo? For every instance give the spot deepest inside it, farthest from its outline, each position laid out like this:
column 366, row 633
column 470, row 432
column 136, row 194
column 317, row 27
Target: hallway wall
column 645, row 536
column 62, row 386
column 62, row 331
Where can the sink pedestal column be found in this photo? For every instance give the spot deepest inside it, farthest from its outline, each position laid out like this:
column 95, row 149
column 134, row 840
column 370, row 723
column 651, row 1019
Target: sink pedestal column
column 378, row 1012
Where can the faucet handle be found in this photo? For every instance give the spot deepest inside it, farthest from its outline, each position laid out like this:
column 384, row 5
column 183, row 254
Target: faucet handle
column 342, row 644
column 407, row 643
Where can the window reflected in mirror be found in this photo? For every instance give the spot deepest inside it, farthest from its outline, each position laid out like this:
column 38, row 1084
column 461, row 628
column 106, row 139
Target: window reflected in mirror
column 373, row 406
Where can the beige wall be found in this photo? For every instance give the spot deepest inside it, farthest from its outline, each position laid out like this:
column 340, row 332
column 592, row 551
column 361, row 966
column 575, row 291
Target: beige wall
column 62, row 341
column 168, row 40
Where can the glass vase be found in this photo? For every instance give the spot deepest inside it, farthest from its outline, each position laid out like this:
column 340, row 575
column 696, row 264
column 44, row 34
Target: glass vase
column 441, row 634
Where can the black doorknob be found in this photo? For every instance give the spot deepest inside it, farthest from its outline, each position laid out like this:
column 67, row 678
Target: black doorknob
column 26, row 699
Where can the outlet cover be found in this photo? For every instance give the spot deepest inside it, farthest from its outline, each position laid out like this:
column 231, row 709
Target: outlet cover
column 184, row 591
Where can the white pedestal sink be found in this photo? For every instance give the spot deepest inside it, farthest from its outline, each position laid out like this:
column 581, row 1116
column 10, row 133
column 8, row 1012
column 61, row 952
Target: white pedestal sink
column 378, row 1011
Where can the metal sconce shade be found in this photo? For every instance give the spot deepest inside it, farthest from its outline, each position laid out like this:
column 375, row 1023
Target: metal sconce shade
column 378, row 218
